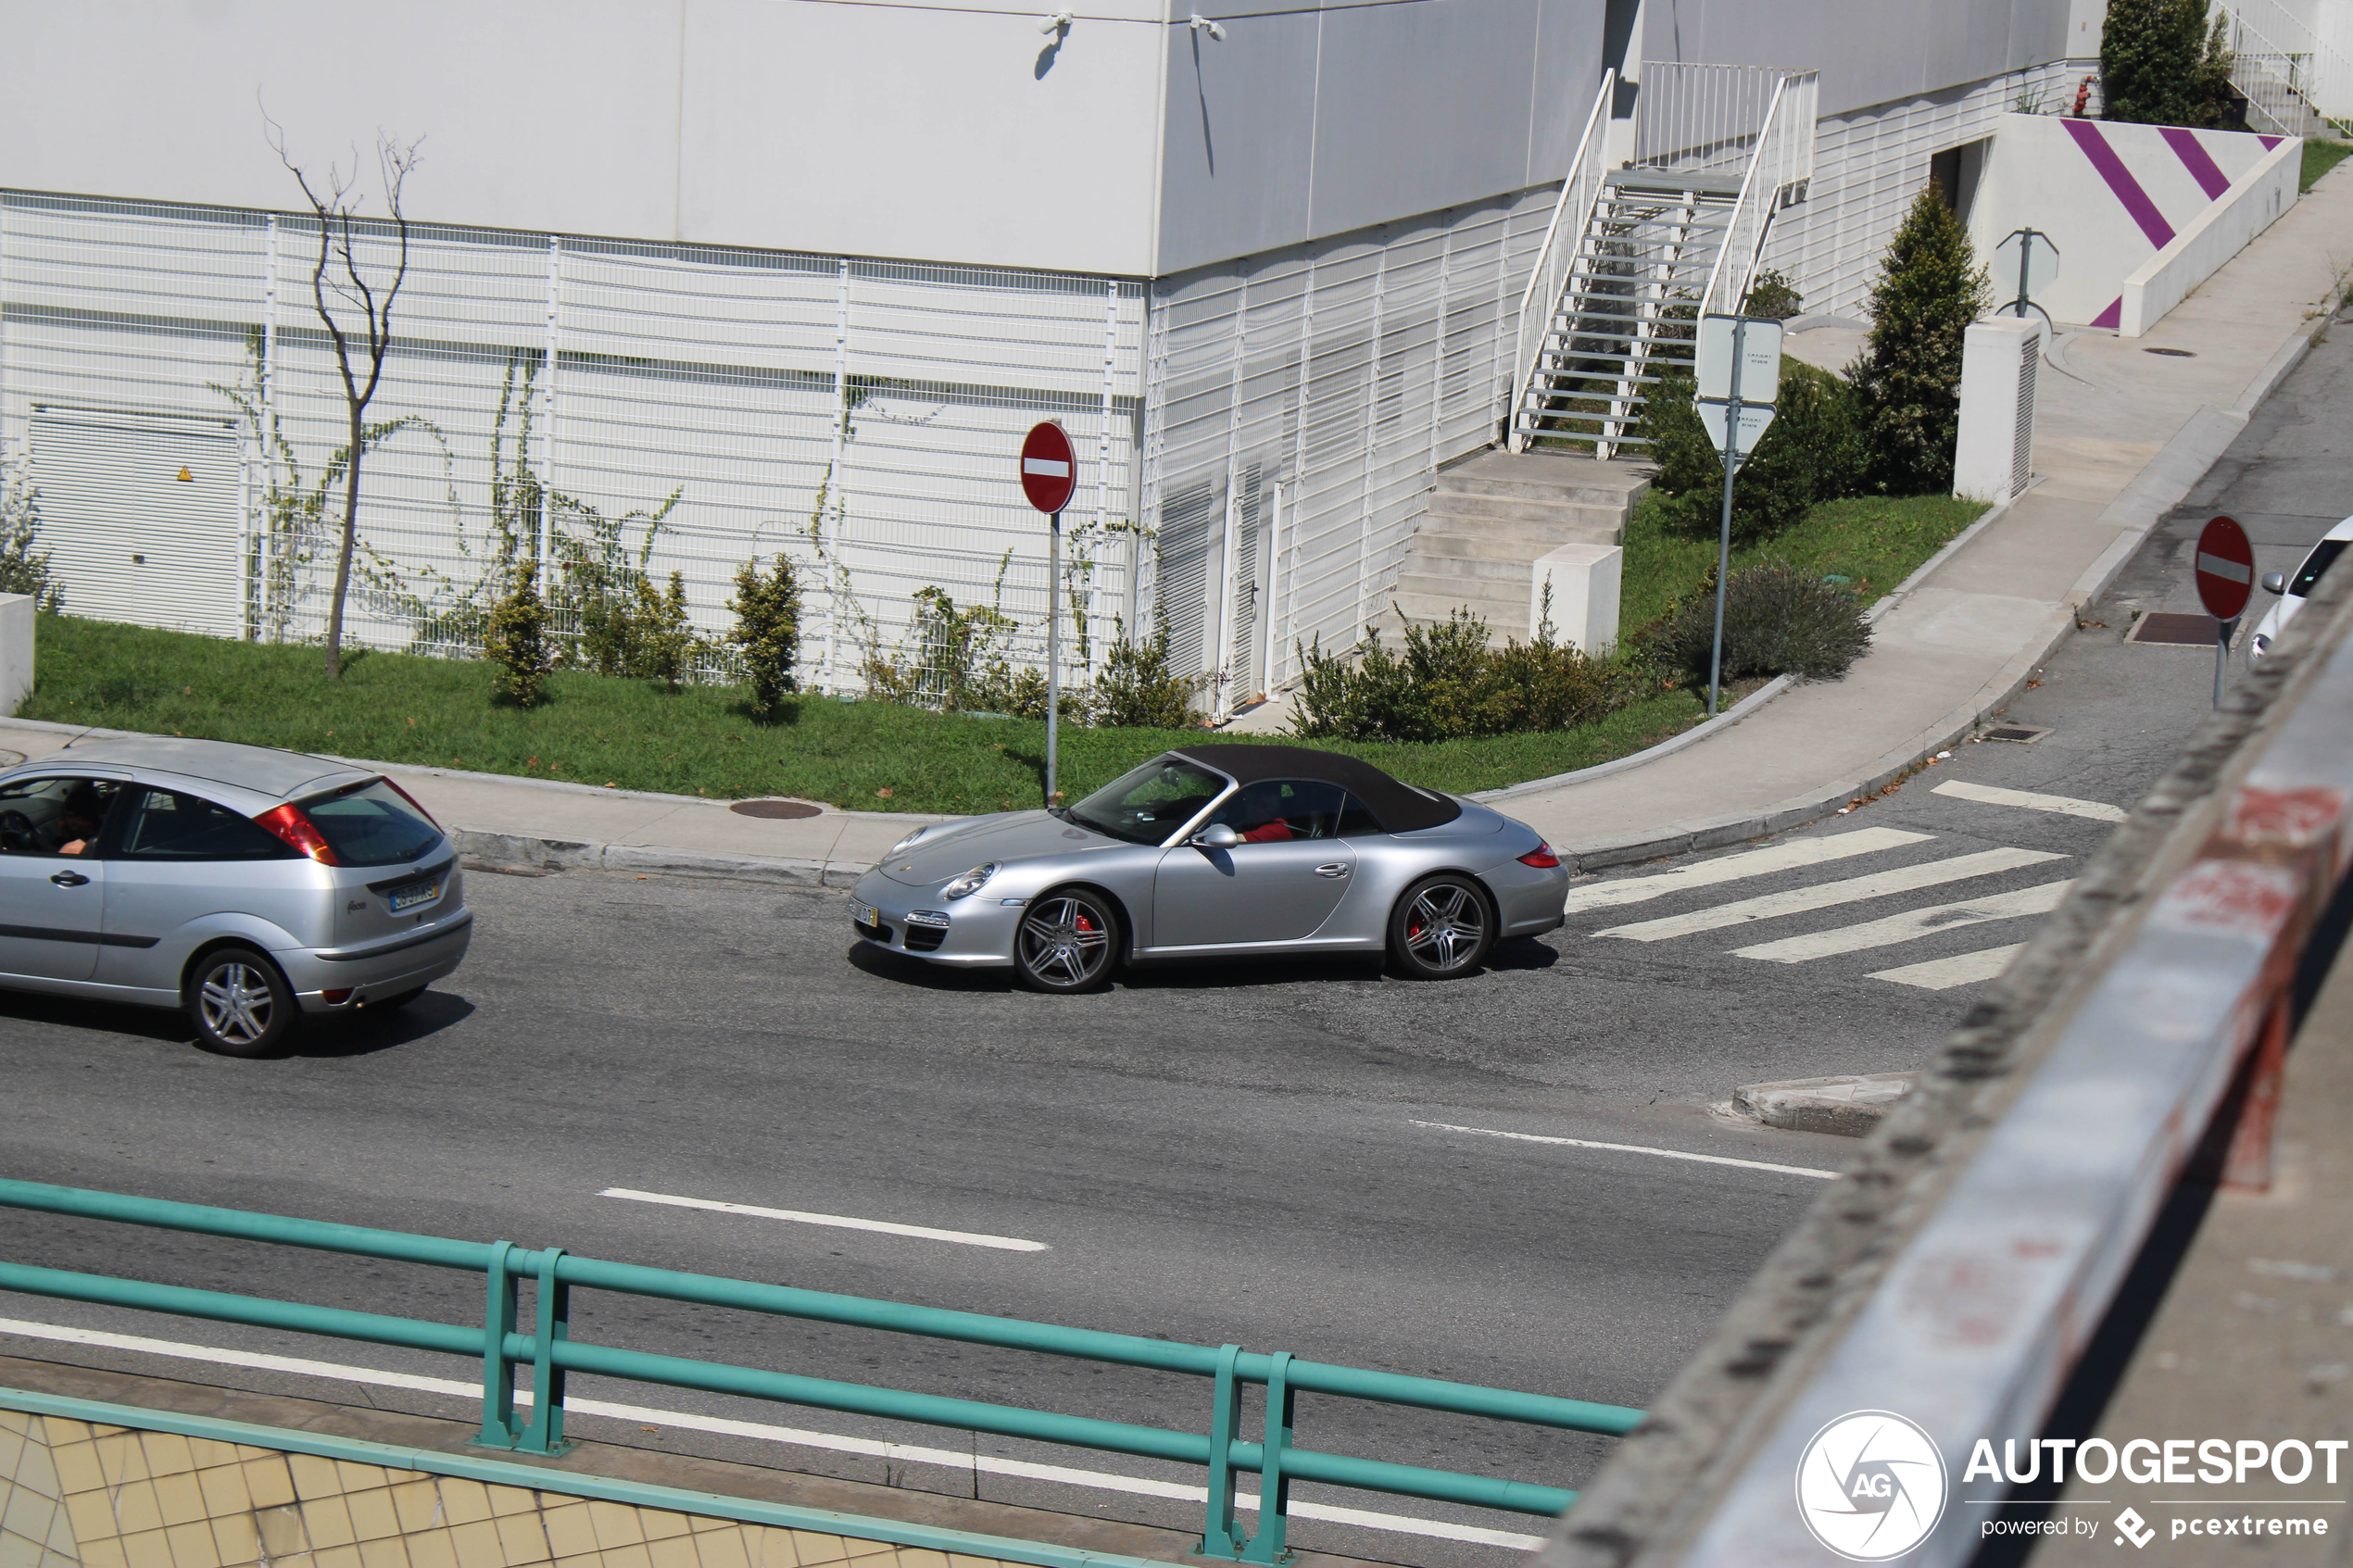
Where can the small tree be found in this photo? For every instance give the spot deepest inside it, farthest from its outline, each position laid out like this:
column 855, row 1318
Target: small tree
column 2164, row 62
column 665, row 638
column 516, row 640
column 338, row 272
column 1138, row 690
column 24, row 567
column 1811, row 452
column 767, row 612
column 1909, row 380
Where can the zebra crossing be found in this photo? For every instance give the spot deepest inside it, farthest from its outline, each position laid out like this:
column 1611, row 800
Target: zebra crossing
column 1734, row 911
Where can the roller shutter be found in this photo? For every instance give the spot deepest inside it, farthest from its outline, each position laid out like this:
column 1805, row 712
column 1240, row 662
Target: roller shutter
column 139, row 513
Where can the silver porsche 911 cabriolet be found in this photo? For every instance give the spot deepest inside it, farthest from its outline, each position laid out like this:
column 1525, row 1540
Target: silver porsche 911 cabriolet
column 1216, row 851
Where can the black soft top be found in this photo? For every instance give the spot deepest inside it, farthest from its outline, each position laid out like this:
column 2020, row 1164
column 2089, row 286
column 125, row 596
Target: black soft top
column 1400, row 807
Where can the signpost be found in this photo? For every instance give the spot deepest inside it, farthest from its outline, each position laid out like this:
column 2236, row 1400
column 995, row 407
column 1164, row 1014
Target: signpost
column 1048, row 475
column 2225, row 577
column 1739, row 378
column 2026, row 261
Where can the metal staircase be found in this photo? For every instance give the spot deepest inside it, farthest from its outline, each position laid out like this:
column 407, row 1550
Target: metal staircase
column 1635, row 252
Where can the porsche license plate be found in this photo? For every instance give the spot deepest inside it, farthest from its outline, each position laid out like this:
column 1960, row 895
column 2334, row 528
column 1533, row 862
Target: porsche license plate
column 414, row 893
column 863, row 914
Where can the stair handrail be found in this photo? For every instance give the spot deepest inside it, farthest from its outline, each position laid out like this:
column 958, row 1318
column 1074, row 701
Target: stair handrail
column 1541, row 300
column 2314, row 69
column 1776, row 177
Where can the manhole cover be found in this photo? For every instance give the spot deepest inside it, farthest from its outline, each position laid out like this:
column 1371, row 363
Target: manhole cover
column 2172, row 353
column 786, row 809
column 2025, row 735
column 2187, row 631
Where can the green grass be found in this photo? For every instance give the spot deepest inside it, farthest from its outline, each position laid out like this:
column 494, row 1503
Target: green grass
column 869, row 756
column 1874, row 543
column 2319, row 159
column 862, row 756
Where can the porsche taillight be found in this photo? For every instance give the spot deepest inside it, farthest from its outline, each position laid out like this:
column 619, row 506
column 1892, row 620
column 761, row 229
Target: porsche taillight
column 1541, row 858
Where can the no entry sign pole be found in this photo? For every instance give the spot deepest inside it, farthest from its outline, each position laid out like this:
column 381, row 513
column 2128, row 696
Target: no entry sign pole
column 2225, row 576
column 1048, row 475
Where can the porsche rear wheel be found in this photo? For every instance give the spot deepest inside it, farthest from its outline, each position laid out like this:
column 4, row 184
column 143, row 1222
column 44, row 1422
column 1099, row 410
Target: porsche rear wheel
column 1068, row 941
column 1441, row 928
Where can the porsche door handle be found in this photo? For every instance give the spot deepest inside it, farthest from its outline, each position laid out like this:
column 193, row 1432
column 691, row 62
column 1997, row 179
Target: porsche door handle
column 1331, row 868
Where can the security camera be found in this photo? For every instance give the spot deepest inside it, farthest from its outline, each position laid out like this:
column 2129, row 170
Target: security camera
column 1054, row 23
column 1197, row 22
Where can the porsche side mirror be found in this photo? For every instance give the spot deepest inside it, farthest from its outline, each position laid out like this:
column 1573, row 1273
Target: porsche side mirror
column 1217, row 836
column 2275, row 581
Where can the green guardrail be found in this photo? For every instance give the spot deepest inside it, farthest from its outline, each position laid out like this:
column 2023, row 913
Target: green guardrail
column 507, row 1347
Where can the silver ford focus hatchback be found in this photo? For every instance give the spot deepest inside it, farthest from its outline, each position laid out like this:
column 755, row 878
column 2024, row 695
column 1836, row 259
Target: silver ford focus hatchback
column 245, row 885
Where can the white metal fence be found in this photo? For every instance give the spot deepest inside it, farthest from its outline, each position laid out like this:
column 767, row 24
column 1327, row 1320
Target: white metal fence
column 659, row 407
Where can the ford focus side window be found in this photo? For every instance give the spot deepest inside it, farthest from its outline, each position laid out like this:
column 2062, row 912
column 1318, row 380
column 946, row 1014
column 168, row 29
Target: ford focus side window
column 167, row 826
column 55, row 816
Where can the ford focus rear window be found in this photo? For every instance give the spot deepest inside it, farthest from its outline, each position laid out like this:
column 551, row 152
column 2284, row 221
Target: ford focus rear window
column 372, row 826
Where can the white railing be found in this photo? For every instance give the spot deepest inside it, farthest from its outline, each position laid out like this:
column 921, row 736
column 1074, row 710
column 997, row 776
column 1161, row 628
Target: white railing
column 2283, row 67
column 1541, row 301
column 1777, row 178
column 1701, row 118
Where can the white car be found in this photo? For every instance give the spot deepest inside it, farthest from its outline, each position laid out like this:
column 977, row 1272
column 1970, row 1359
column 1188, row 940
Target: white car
column 2292, row 589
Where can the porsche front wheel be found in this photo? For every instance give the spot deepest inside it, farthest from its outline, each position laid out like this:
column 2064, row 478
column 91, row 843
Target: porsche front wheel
column 1068, row 941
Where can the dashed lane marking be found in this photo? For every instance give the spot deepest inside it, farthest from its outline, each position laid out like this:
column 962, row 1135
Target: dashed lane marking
column 840, row 1222
column 1797, row 900
column 1734, row 868
column 1910, row 926
column 1637, row 1148
column 1942, row 975
column 1398, row 1523
column 2064, row 805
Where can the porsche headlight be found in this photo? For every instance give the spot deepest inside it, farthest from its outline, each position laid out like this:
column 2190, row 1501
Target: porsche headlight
column 969, row 882
column 909, row 839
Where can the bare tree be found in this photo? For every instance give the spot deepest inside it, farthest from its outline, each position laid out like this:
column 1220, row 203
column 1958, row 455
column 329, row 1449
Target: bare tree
column 338, row 281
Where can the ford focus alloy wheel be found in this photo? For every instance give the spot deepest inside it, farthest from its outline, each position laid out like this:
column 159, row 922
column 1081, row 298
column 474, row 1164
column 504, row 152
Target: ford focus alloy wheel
column 239, row 1004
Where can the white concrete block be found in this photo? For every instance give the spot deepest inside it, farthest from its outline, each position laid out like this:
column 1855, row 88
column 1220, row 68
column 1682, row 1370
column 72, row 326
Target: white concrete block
column 15, row 650
column 1584, row 581
column 1994, row 456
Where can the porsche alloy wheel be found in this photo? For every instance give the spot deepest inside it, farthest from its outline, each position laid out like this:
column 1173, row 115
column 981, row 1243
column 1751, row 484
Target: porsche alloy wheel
column 1067, row 941
column 1441, row 929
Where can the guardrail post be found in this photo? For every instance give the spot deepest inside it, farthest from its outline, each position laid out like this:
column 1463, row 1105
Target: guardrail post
column 546, row 1434
column 498, row 1370
column 1274, row 1482
column 1219, row 1537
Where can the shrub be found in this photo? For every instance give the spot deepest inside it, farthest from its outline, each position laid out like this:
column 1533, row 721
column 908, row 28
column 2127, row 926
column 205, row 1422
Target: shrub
column 23, row 569
column 516, row 640
column 644, row 634
column 1136, row 689
column 1778, row 621
column 1771, row 294
column 1447, row 683
column 1908, row 383
column 767, row 633
column 1813, row 451
column 2162, row 62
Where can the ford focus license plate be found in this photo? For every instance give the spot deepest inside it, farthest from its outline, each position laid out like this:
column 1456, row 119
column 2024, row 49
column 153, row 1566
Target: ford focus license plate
column 414, row 893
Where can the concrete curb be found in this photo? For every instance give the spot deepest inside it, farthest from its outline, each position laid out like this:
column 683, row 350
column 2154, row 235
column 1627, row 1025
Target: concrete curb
column 512, row 852
column 1847, row 1105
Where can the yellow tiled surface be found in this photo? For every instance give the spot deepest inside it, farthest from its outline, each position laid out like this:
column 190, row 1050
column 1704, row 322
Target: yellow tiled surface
column 76, row 1496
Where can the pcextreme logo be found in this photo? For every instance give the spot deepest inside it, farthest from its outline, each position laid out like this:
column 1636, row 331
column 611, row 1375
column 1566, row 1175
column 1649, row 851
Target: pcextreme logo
column 1871, row 1485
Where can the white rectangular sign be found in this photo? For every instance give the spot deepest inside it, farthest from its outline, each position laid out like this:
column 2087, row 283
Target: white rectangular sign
column 1755, row 417
column 1761, row 357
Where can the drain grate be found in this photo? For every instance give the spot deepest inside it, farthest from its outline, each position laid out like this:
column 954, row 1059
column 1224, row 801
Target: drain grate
column 2182, row 630
column 784, row 809
column 2025, row 735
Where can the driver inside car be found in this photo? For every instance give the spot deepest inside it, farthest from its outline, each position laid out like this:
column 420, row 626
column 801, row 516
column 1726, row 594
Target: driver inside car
column 1256, row 814
column 77, row 823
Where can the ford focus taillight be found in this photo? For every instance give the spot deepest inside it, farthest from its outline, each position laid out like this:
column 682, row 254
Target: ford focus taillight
column 1541, row 858
column 289, row 824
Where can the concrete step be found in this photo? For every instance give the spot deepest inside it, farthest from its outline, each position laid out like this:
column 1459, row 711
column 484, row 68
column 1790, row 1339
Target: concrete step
column 1438, row 539
column 1521, row 508
column 1465, row 574
column 1570, row 480
column 1537, row 533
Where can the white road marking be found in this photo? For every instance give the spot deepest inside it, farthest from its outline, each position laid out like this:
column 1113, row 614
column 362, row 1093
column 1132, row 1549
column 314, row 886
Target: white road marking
column 841, row 1222
column 1942, row 975
column 1636, row 1148
column 2064, row 805
column 1910, row 926
column 1400, row 1524
column 1797, row 900
column 1732, row 868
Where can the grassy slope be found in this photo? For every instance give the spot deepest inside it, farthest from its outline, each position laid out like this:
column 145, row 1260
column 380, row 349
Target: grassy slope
column 867, row 755
column 2320, row 157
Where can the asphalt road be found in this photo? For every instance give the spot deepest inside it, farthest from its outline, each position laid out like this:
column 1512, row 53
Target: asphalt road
column 1292, row 1157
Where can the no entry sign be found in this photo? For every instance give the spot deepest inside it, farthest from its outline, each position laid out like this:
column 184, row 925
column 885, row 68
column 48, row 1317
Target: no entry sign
column 2225, row 568
column 1048, row 466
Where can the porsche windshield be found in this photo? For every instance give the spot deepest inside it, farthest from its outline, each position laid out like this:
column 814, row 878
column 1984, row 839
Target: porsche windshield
column 1148, row 805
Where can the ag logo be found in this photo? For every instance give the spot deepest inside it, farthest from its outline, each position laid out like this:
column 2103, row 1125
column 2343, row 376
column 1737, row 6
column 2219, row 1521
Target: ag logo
column 1870, row 1487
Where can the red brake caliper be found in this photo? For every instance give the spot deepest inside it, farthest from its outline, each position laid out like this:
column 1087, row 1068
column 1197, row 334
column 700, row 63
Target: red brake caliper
column 1085, row 925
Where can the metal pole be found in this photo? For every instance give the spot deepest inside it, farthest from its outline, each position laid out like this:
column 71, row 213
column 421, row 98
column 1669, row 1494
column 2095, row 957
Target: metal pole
column 1724, row 534
column 1053, row 645
column 2222, row 629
